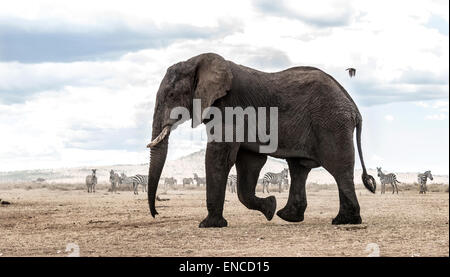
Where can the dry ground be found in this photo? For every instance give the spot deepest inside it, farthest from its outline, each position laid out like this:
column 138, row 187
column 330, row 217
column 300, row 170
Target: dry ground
column 41, row 222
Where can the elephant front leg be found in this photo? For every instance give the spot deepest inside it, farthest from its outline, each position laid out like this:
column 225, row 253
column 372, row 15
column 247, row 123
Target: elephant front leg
column 219, row 159
column 296, row 204
column 248, row 167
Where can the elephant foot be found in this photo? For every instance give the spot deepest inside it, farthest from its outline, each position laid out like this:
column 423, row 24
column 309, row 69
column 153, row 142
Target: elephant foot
column 269, row 207
column 213, row 222
column 346, row 219
column 292, row 214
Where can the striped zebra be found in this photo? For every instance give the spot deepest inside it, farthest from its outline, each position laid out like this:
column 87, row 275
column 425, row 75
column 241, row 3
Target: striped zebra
column 422, row 180
column 91, row 181
column 139, row 180
column 125, row 180
column 169, row 182
column 275, row 179
column 199, row 180
column 232, row 183
column 188, row 181
column 114, row 179
column 285, row 182
column 389, row 178
column 135, row 181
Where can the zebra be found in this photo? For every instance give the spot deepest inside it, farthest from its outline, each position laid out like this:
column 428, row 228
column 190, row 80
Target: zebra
column 139, row 180
column 389, row 178
column 187, row 181
column 232, row 183
column 91, row 181
column 168, row 182
column 285, row 182
column 135, row 181
column 198, row 180
column 422, row 180
column 114, row 179
column 274, row 178
column 125, row 180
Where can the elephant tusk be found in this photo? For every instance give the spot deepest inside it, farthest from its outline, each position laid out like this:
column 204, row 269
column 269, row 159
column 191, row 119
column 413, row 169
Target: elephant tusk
column 160, row 137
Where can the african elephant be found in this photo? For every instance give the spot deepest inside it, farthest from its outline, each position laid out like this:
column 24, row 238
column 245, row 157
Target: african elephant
column 316, row 121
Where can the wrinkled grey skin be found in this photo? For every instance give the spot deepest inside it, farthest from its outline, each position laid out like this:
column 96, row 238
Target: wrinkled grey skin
column 317, row 118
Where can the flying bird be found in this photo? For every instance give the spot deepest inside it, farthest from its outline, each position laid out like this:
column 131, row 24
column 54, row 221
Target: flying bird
column 351, row 71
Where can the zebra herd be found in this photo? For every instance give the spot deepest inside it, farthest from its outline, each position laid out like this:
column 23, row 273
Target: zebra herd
column 391, row 179
column 279, row 179
column 116, row 180
column 137, row 180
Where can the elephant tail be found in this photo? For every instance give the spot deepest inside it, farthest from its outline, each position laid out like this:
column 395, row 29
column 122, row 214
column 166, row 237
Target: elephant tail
column 368, row 181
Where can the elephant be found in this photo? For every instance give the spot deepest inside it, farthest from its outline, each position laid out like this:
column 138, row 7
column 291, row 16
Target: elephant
column 316, row 122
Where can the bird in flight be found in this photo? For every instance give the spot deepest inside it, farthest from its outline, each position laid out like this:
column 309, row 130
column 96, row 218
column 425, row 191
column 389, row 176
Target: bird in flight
column 351, row 71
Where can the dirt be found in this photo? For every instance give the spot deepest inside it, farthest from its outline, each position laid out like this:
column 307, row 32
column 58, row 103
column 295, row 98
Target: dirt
column 43, row 222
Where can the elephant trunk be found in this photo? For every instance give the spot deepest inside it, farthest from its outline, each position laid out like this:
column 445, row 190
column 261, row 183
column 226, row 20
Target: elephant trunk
column 158, row 154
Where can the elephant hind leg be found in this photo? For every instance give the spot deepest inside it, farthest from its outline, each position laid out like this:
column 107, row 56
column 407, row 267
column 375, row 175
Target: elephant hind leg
column 296, row 205
column 338, row 158
column 349, row 211
column 248, row 167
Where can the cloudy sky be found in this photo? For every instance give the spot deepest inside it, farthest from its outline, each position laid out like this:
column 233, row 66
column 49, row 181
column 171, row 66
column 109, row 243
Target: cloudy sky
column 78, row 78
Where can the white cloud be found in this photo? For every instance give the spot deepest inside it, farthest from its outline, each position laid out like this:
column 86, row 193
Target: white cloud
column 389, row 117
column 440, row 116
column 440, row 104
column 44, row 126
column 422, row 104
column 376, row 158
column 397, row 57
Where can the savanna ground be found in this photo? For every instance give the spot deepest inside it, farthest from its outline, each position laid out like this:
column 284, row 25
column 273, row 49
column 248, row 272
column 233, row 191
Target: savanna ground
column 43, row 221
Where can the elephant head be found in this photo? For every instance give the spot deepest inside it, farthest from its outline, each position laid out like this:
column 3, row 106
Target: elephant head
column 206, row 77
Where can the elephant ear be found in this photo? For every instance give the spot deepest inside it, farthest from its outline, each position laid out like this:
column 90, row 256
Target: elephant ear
column 213, row 81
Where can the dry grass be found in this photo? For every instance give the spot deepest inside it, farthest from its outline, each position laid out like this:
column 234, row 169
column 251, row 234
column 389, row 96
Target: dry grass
column 40, row 222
